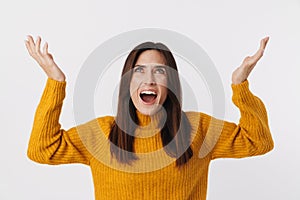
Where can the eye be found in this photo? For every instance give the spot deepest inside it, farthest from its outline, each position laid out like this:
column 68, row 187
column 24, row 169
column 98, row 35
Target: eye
column 138, row 69
column 160, row 70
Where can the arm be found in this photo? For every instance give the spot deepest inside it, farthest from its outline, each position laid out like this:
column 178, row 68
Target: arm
column 252, row 135
column 48, row 142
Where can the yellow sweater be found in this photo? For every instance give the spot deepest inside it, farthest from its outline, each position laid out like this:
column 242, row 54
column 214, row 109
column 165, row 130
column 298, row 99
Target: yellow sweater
column 154, row 175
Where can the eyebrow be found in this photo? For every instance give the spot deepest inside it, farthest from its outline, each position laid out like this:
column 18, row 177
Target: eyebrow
column 140, row 66
column 160, row 65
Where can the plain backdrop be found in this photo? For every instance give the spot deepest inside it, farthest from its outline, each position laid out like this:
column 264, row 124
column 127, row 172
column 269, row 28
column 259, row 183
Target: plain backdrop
column 227, row 30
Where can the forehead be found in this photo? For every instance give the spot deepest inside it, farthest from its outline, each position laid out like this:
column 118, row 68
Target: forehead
column 151, row 56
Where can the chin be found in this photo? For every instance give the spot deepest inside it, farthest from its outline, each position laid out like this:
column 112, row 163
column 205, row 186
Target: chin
column 150, row 111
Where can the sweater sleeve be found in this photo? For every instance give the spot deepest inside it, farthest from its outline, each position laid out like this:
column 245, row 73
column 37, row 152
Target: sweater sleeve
column 250, row 137
column 49, row 144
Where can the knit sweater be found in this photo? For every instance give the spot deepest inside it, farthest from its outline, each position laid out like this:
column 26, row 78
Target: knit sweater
column 154, row 175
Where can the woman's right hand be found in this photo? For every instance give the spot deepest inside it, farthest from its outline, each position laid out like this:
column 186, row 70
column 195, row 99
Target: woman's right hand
column 44, row 59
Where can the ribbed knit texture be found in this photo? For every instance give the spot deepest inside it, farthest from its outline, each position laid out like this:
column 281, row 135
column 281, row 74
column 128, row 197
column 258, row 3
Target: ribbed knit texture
column 154, row 175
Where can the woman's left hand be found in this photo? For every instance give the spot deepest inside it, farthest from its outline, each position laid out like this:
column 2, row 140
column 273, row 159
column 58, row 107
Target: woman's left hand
column 241, row 73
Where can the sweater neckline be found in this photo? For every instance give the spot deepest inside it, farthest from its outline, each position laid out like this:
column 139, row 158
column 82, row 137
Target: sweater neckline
column 150, row 125
column 154, row 121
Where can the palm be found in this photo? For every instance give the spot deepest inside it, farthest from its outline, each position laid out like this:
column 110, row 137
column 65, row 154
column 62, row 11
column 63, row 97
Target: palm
column 242, row 72
column 44, row 59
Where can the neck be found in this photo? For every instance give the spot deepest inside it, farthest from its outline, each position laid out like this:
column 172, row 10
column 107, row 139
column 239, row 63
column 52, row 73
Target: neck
column 154, row 120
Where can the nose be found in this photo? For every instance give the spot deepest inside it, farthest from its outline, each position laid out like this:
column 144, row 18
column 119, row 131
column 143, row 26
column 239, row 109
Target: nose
column 149, row 79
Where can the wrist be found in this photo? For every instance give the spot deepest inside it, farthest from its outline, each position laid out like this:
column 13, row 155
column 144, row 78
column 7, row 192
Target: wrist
column 236, row 81
column 59, row 78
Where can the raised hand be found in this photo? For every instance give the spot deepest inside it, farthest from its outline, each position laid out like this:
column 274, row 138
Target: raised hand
column 44, row 59
column 241, row 73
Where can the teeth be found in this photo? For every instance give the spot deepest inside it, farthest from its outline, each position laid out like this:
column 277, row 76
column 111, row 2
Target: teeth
column 148, row 92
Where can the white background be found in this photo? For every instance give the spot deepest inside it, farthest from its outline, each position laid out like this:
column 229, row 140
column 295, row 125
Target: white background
column 227, row 30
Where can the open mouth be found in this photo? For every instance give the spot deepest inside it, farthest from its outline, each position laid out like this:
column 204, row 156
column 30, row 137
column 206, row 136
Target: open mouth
column 148, row 96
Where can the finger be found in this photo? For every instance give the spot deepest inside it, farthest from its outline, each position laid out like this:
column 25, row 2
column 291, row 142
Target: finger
column 28, row 47
column 260, row 52
column 38, row 45
column 31, row 43
column 45, row 48
column 263, row 43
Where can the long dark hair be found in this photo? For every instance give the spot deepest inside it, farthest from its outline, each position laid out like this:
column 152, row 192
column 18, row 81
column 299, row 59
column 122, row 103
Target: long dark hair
column 175, row 133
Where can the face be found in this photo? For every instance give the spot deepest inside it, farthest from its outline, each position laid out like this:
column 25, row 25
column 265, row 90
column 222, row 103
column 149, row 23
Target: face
column 148, row 86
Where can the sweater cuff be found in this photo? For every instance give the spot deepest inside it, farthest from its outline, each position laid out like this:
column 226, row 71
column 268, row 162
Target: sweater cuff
column 54, row 90
column 241, row 92
column 240, row 87
column 55, row 82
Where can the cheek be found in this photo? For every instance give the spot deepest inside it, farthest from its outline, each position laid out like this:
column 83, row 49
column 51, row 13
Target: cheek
column 133, row 94
column 134, row 84
column 163, row 84
column 162, row 80
column 164, row 93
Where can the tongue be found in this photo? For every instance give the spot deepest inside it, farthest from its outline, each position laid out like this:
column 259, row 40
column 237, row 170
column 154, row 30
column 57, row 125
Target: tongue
column 148, row 98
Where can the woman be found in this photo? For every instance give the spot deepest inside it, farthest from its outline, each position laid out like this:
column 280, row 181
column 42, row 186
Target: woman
column 150, row 149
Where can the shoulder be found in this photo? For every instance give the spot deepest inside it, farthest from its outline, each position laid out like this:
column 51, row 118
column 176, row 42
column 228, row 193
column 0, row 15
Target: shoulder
column 197, row 117
column 106, row 120
column 98, row 125
column 204, row 121
column 105, row 124
column 199, row 121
